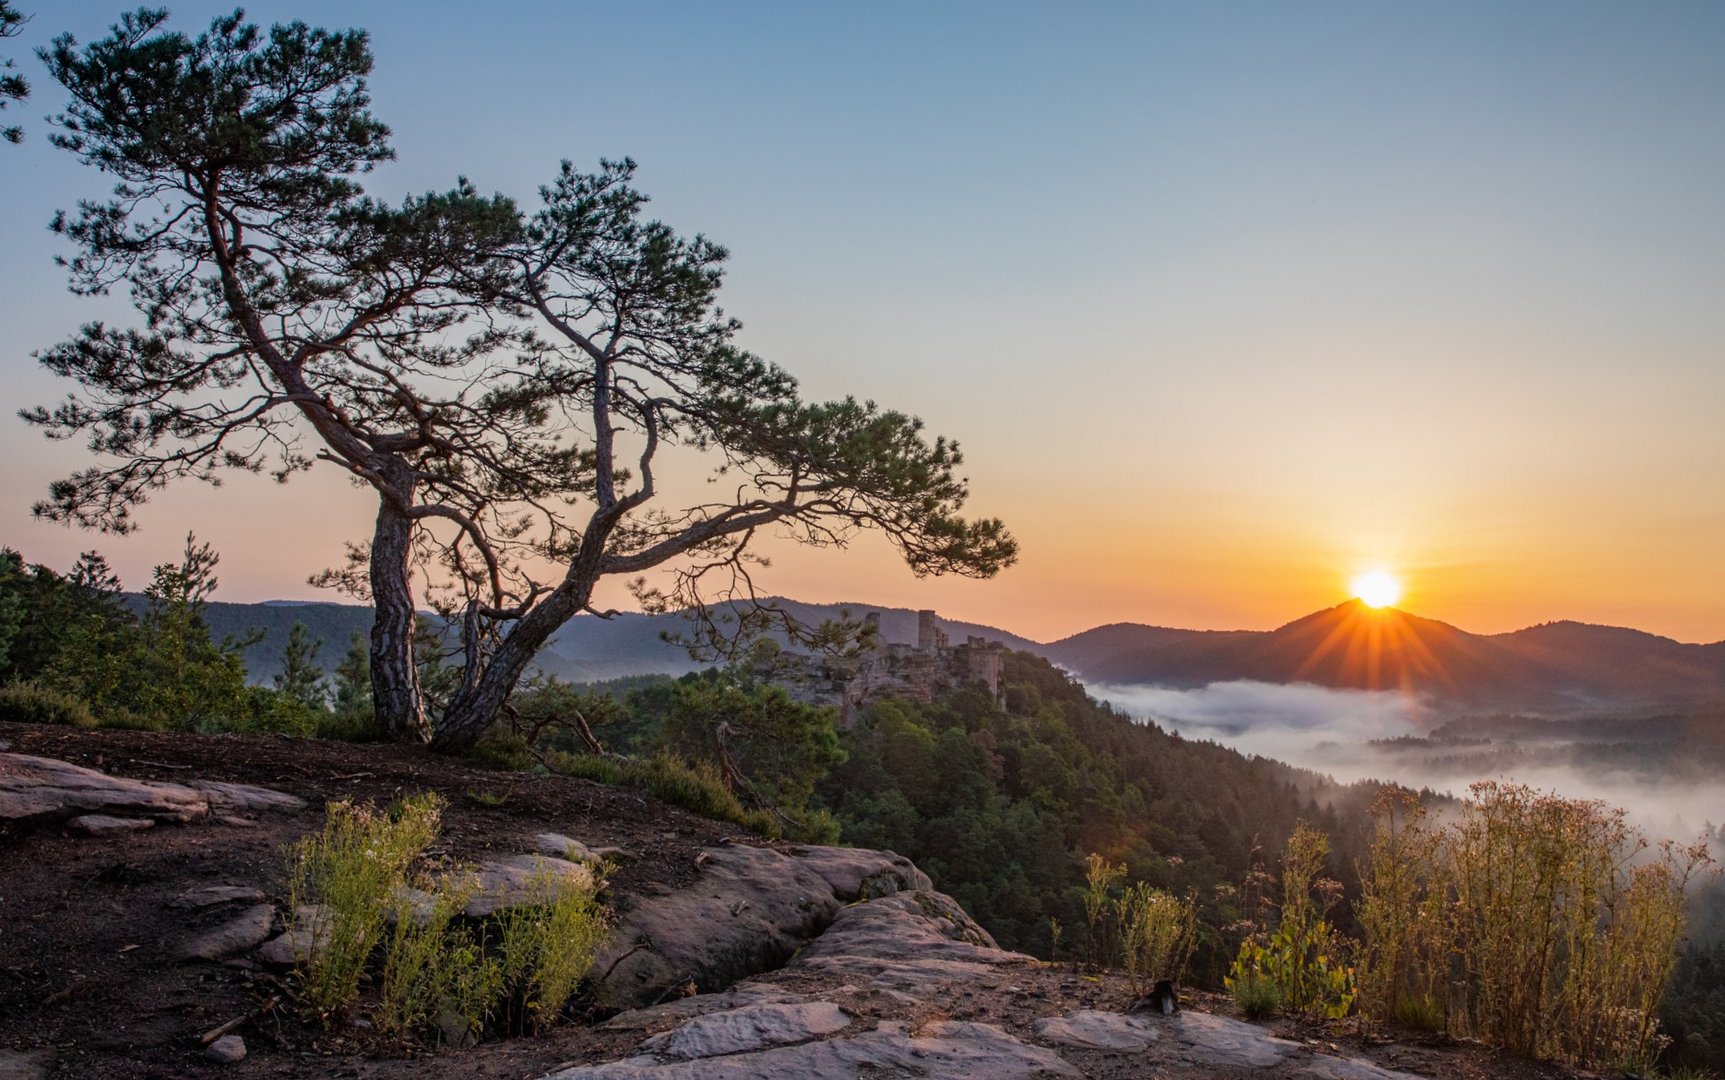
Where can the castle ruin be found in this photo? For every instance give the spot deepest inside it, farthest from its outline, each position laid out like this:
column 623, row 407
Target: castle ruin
column 918, row 672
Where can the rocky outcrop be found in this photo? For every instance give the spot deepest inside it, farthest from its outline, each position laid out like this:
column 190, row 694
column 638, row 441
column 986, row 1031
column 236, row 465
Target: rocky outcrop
column 39, row 790
column 910, row 952
column 748, row 912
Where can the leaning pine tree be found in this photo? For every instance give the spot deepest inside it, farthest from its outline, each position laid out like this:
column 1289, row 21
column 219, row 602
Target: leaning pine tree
column 503, row 385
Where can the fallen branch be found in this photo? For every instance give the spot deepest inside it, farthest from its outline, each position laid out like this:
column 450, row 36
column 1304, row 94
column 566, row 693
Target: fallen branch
column 258, row 1013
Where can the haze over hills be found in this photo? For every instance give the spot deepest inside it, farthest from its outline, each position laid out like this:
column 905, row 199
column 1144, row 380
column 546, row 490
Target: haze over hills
column 1557, row 668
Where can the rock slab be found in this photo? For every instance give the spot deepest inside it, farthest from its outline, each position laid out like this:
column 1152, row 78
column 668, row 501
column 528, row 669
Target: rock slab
column 748, row 912
column 942, row 1049
column 34, row 790
column 751, row 1027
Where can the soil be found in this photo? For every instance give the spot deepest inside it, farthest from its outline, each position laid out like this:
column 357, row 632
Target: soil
column 88, row 967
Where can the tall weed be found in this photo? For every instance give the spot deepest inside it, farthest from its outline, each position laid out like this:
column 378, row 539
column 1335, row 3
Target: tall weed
column 1545, row 925
column 1157, row 934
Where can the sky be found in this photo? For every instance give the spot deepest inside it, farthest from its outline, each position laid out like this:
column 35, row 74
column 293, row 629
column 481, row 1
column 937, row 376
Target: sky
column 1224, row 302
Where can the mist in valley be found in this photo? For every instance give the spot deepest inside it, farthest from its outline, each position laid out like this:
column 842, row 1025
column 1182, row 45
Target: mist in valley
column 1667, row 773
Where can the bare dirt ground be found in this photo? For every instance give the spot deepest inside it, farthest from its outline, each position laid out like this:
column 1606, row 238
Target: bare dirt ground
column 90, row 979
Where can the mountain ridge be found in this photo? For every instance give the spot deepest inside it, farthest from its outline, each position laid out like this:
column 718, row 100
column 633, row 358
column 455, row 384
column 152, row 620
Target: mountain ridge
column 1559, row 667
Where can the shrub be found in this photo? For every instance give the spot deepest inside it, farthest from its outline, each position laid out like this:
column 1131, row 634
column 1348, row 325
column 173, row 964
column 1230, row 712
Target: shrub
column 1157, row 933
column 27, row 703
column 430, row 967
column 270, row 712
column 546, row 947
column 1404, row 970
column 440, row 974
column 1100, row 877
column 1304, row 956
column 353, row 871
column 1558, row 929
column 695, row 787
column 1257, row 995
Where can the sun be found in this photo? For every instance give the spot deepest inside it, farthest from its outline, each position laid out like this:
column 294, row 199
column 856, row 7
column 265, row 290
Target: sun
column 1377, row 588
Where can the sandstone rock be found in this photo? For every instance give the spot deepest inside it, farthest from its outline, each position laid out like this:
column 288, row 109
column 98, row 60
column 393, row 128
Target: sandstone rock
column 564, row 847
column 515, row 880
column 1218, row 1042
column 860, row 874
column 228, row 1050
column 295, row 944
column 1320, row 1067
column 749, row 911
column 214, row 895
column 943, row 1049
column 659, row 1017
column 244, row 931
column 1089, row 1029
column 103, row 825
column 751, row 1027
column 226, row 798
column 908, row 941
column 37, row 789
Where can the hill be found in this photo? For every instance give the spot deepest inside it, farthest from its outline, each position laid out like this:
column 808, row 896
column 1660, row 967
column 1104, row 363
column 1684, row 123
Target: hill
column 1559, row 667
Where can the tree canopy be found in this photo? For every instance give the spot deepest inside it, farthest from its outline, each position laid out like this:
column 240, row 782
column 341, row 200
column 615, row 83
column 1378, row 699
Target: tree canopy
column 503, row 382
column 13, row 87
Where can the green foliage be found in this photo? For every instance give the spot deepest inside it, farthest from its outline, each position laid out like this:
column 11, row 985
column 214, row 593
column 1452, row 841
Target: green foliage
column 157, row 670
column 1304, row 956
column 27, row 703
column 440, row 975
column 352, row 873
column 351, row 715
column 1257, row 995
column 695, row 787
column 13, row 87
column 300, row 677
column 1000, row 807
column 1100, row 877
column 546, row 948
column 1157, row 934
column 768, row 750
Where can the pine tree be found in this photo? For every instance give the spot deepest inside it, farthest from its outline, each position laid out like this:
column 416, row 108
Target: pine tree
column 301, row 678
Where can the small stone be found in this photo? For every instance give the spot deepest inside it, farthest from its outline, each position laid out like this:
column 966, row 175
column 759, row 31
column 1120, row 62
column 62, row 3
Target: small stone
column 296, row 944
column 103, row 825
column 245, row 931
column 228, row 1050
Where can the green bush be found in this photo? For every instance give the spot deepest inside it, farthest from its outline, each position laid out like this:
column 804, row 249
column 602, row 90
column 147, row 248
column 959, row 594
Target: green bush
column 1303, row 957
column 1157, row 933
column 441, row 975
column 1257, row 995
column 695, row 787
column 353, row 872
column 27, row 703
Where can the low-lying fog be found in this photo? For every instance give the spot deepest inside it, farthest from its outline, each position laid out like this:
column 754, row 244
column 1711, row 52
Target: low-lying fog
column 1668, row 790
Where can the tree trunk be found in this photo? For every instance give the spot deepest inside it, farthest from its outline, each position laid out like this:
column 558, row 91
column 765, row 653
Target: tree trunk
column 394, row 676
column 475, row 707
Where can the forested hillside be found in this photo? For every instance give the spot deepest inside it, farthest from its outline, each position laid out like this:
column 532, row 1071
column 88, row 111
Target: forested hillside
column 1002, row 807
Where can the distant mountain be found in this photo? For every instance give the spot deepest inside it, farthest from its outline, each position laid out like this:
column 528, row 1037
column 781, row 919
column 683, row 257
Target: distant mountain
column 586, row 649
column 1558, row 667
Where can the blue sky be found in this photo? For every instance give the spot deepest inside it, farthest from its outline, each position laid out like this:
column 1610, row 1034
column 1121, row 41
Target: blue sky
column 1224, row 301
